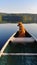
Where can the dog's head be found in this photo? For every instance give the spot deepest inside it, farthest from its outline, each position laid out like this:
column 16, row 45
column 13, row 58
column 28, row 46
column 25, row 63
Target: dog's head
column 21, row 27
column 19, row 24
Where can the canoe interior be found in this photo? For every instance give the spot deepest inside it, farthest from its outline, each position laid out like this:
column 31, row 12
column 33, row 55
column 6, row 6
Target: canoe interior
column 26, row 35
column 21, row 48
column 18, row 60
column 27, row 39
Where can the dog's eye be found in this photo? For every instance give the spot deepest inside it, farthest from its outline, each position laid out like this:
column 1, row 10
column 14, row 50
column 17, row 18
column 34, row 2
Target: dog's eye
column 19, row 24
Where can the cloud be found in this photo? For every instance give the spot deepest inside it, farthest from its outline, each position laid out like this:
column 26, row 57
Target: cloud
column 30, row 9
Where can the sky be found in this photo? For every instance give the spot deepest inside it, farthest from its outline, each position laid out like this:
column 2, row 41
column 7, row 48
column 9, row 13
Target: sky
column 18, row 6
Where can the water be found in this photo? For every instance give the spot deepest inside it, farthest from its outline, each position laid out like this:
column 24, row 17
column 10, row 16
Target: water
column 32, row 29
column 6, row 30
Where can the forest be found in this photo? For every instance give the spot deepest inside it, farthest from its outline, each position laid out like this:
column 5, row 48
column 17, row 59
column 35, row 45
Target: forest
column 15, row 18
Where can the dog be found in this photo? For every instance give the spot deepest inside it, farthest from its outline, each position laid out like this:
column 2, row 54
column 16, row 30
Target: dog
column 20, row 33
column 21, row 30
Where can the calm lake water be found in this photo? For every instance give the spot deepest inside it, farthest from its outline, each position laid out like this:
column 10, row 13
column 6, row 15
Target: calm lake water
column 6, row 30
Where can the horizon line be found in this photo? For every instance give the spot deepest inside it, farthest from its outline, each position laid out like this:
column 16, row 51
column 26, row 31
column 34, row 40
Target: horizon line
column 17, row 13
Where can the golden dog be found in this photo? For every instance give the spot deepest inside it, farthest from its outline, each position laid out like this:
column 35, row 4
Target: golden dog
column 22, row 30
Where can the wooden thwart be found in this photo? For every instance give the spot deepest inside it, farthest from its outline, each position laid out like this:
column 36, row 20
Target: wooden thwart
column 19, row 54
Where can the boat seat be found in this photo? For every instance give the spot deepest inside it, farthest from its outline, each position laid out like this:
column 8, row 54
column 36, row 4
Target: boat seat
column 26, row 35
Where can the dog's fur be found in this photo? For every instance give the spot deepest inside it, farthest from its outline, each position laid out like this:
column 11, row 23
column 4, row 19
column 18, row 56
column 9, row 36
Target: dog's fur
column 21, row 30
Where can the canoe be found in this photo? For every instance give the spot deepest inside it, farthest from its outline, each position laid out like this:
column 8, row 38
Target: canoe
column 15, row 39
